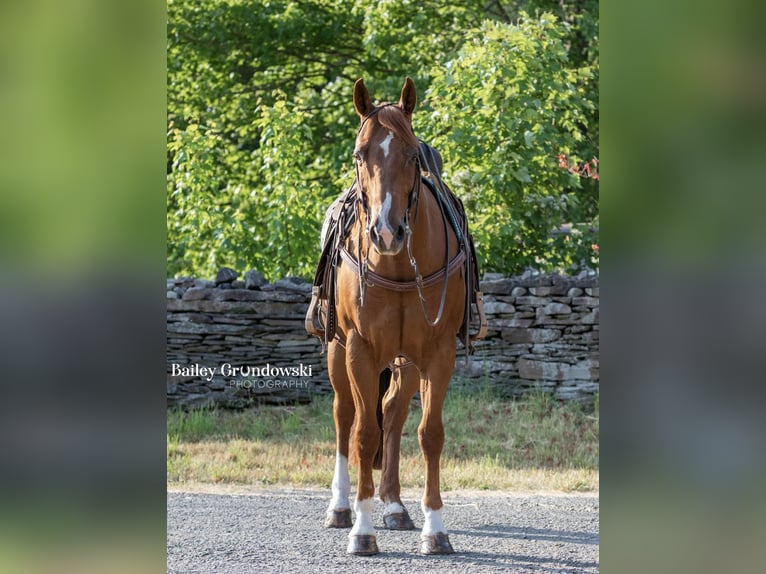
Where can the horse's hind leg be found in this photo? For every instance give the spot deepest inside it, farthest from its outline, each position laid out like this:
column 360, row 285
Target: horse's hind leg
column 339, row 510
column 395, row 409
column 383, row 385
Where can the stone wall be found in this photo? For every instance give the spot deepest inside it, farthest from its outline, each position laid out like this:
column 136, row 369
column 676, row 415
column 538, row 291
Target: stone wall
column 543, row 334
column 233, row 342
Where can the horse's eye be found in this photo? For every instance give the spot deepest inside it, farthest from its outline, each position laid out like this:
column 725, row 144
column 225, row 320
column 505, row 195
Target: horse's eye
column 358, row 157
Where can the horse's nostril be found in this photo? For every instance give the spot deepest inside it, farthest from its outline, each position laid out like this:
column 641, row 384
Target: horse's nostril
column 400, row 233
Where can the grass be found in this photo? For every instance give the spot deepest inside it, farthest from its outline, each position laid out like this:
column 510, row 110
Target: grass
column 492, row 443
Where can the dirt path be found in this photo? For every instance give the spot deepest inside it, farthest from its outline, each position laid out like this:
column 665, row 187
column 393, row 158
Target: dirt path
column 280, row 530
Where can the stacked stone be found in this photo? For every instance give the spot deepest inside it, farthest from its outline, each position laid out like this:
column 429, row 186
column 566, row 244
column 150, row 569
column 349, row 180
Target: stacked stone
column 543, row 335
column 239, row 323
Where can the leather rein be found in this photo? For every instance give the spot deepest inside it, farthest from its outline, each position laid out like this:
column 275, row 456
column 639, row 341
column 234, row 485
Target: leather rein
column 359, row 263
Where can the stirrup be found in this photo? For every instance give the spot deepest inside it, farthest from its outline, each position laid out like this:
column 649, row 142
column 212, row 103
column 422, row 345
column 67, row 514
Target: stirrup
column 313, row 324
column 482, row 318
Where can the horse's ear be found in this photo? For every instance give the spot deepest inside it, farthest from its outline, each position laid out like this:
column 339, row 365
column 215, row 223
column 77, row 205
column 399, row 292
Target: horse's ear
column 362, row 102
column 409, row 97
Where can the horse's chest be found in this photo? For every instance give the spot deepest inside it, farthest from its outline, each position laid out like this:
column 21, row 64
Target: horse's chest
column 379, row 313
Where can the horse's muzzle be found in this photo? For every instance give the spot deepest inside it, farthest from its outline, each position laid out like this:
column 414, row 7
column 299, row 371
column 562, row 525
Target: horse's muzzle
column 385, row 240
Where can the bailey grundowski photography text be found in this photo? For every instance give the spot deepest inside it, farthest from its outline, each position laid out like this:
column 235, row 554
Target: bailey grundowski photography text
column 249, row 376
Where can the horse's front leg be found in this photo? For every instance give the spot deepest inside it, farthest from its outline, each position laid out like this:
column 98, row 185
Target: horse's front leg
column 364, row 375
column 404, row 385
column 433, row 389
column 339, row 510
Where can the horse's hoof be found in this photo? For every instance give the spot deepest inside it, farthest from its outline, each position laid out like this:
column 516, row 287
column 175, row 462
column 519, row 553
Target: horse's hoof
column 362, row 545
column 398, row 521
column 435, row 544
column 338, row 518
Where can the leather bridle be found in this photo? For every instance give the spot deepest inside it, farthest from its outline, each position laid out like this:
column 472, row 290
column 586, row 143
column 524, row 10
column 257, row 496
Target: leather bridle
column 360, row 264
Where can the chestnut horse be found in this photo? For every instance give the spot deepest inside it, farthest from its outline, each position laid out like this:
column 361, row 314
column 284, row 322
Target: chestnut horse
column 400, row 235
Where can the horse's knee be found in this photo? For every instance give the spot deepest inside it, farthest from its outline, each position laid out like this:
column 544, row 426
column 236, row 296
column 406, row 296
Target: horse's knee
column 367, row 441
column 343, row 409
column 431, row 436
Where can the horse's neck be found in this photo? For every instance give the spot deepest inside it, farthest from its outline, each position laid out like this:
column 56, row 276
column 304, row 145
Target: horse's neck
column 428, row 235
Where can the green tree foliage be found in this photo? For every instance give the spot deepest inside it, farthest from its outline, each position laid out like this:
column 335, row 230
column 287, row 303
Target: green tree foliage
column 527, row 108
column 261, row 125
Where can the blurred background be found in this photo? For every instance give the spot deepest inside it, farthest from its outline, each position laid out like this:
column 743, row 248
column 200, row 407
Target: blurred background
column 683, row 208
column 82, row 248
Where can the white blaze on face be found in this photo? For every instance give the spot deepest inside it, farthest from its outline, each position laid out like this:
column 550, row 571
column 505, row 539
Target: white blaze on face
column 363, row 523
column 433, row 521
column 386, row 143
column 340, row 485
column 386, row 233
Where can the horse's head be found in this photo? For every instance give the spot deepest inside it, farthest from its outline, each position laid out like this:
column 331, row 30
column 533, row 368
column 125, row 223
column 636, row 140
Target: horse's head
column 386, row 155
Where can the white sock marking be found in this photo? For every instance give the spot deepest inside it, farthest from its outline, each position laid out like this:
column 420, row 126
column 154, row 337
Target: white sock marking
column 433, row 521
column 386, row 143
column 394, row 508
column 363, row 523
column 341, row 485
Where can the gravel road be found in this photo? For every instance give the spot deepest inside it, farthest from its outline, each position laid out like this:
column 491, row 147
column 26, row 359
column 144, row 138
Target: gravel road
column 280, row 530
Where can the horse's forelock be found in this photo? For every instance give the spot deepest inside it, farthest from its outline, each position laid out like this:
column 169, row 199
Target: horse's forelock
column 393, row 118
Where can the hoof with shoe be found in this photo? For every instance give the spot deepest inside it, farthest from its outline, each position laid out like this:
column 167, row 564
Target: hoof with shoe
column 362, row 545
column 436, row 544
column 338, row 519
column 398, row 521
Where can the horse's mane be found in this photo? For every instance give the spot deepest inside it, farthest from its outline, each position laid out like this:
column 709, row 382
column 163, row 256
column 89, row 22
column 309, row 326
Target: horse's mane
column 393, row 118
